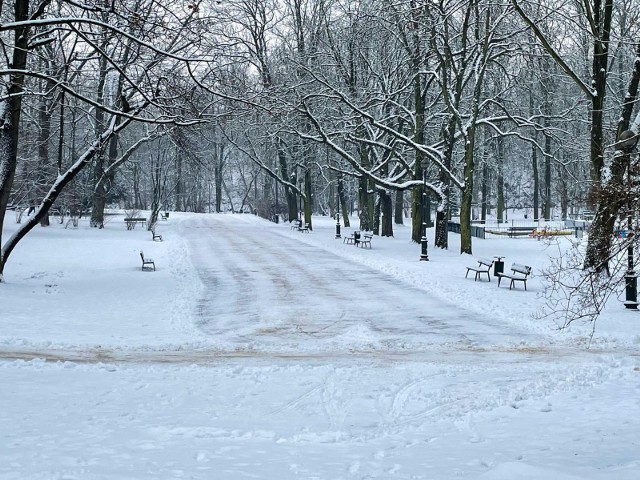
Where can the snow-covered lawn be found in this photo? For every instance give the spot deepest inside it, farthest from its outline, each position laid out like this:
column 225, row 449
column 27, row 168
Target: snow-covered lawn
column 254, row 352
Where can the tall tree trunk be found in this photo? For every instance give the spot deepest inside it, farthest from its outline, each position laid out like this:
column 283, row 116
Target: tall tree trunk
column 562, row 176
column 363, row 191
column 416, row 207
column 534, row 157
column 399, row 208
column 376, row 218
column 99, row 193
column 308, row 198
column 104, row 185
column 443, row 214
column 418, row 213
column 180, row 207
column 547, row 86
column 484, row 194
column 500, row 179
column 218, row 184
column 469, row 159
column 10, row 117
column 547, row 177
column 290, row 194
column 45, row 113
column 363, row 202
column 343, row 202
column 467, row 196
column 373, row 214
column 137, row 194
column 11, row 108
column 386, row 210
column 536, row 183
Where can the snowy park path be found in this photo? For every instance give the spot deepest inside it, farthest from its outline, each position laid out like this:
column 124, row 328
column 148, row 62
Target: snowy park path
column 269, row 291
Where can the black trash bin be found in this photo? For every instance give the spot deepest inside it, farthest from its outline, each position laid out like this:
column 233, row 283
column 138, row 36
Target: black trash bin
column 498, row 266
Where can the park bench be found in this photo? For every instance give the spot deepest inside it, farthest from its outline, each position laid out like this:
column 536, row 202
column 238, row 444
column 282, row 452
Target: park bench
column 147, row 262
column 519, row 273
column 155, row 236
column 517, row 231
column 352, row 239
column 296, row 225
column 365, row 240
column 164, row 216
column 131, row 222
column 304, row 229
column 484, row 265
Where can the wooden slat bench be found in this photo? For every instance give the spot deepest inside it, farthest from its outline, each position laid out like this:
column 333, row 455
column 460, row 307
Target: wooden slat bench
column 131, row 222
column 155, row 236
column 484, row 265
column 352, row 239
column 365, row 240
column 147, row 263
column 519, row 273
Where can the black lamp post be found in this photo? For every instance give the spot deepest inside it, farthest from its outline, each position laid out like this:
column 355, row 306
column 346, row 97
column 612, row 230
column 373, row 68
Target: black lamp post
column 424, row 257
column 626, row 143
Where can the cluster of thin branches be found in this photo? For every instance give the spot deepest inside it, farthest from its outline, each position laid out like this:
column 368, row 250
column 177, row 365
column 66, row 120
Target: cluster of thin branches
column 574, row 293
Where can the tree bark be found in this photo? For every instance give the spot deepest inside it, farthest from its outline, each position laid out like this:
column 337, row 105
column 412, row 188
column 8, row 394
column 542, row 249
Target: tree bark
column 500, row 179
column 343, row 203
column 386, row 210
column 11, row 109
column 399, row 208
column 609, row 196
column 308, row 198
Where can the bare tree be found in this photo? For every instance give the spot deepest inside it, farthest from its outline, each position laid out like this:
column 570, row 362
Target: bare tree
column 164, row 51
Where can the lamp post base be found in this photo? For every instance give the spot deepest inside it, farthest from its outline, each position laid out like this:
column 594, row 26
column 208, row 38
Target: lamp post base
column 631, row 290
column 424, row 257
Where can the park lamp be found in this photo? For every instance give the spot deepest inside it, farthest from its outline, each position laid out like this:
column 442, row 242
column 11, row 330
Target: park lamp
column 424, row 255
column 627, row 141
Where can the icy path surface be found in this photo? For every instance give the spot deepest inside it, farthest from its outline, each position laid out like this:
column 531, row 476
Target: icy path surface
column 277, row 359
column 273, row 292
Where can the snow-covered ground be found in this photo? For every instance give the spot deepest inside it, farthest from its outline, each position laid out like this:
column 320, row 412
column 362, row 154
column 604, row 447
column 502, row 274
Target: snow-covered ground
column 255, row 351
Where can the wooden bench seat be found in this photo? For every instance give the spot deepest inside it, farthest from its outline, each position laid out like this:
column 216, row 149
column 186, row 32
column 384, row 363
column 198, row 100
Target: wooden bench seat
column 519, row 273
column 484, row 265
